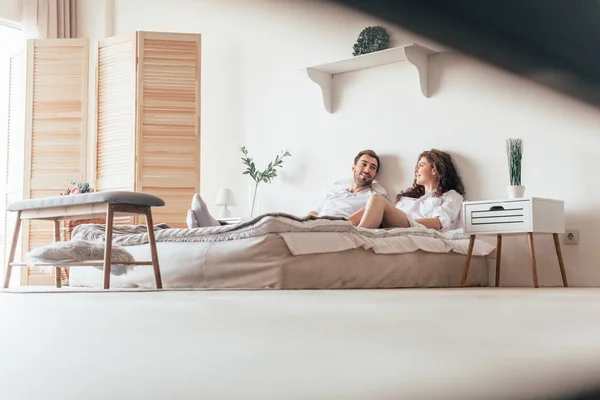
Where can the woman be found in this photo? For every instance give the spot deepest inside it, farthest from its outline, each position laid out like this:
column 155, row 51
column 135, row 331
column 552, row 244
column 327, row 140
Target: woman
column 434, row 200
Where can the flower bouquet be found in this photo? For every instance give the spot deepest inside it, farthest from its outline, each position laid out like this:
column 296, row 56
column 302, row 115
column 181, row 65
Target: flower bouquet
column 78, row 188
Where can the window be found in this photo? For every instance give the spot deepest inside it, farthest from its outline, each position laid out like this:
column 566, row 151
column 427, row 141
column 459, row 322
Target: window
column 12, row 42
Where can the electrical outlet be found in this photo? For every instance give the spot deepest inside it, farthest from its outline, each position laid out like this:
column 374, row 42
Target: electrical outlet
column 572, row 236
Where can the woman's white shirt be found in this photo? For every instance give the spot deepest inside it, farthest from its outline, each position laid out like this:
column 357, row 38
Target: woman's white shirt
column 446, row 207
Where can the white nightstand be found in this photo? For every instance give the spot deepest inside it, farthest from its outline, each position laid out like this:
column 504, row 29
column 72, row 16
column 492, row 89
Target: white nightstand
column 514, row 216
column 227, row 221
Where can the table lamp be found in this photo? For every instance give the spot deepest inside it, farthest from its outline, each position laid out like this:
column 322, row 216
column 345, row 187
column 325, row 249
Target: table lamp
column 225, row 198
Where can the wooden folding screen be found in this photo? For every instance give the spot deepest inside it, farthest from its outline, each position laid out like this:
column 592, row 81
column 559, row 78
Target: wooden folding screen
column 148, row 118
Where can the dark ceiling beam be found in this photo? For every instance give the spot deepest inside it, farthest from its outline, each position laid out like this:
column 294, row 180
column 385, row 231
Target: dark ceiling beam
column 553, row 42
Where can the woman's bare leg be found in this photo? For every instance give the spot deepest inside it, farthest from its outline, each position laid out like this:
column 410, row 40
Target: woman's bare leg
column 380, row 212
column 356, row 217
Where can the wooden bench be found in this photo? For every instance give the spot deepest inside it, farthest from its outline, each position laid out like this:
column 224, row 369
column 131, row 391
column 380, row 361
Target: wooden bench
column 88, row 205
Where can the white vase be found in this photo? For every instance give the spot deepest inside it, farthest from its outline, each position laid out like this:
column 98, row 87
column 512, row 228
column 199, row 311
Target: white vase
column 515, row 191
column 253, row 198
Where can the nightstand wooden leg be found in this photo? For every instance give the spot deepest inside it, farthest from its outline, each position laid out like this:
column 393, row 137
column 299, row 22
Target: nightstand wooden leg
column 469, row 253
column 498, row 257
column 560, row 260
column 532, row 256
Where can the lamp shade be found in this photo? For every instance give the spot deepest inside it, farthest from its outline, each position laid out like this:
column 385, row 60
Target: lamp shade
column 225, row 198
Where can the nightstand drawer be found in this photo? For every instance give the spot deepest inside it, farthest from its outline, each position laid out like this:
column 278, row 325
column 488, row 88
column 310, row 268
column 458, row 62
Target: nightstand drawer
column 498, row 216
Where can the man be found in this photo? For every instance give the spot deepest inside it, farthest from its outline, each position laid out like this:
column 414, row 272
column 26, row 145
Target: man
column 345, row 202
column 341, row 203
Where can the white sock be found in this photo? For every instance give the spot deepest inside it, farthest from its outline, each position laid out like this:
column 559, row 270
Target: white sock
column 203, row 217
column 191, row 220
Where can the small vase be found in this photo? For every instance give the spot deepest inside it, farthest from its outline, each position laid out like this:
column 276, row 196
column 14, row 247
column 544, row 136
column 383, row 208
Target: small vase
column 515, row 191
column 253, row 200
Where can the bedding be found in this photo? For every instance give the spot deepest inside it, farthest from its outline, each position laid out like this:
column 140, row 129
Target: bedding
column 303, row 235
column 267, row 263
column 286, row 252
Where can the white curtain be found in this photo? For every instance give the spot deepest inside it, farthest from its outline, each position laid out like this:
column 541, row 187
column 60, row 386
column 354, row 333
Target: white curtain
column 49, row 19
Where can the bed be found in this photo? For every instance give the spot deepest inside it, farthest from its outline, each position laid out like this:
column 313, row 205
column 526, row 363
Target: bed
column 278, row 251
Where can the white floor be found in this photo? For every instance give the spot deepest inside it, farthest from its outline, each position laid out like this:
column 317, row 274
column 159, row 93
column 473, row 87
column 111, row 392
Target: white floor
column 393, row 344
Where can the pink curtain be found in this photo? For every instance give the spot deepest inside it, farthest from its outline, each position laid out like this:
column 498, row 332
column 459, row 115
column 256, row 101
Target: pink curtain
column 49, row 19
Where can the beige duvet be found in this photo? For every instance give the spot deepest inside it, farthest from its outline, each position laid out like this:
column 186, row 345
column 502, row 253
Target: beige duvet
column 266, row 262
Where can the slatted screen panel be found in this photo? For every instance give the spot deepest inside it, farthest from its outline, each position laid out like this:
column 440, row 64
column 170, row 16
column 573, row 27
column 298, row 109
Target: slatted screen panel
column 56, row 125
column 15, row 162
column 115, row 153
column 169, row 126
column 116, row 117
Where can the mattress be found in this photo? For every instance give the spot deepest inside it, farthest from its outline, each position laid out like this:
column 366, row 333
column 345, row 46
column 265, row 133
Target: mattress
column 266, row 262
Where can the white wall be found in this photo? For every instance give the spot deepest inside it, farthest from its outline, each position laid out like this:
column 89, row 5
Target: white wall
column 255, row 92
column 95, row 18
column 11, row 10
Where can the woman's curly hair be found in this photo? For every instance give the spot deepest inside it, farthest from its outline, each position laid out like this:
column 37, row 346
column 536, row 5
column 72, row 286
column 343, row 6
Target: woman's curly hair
column 446, row 172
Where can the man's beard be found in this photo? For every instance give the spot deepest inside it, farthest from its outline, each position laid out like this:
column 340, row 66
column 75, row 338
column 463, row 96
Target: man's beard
column 362, row 181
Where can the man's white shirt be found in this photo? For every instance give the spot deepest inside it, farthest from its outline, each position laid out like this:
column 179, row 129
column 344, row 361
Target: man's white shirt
column 342, row 203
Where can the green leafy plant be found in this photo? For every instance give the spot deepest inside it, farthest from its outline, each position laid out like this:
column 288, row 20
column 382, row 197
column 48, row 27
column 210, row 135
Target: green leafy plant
column 514, row 152
column 372, row 38
column 265, row 176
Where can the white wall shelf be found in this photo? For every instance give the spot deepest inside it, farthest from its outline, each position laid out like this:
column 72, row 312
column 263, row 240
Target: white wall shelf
column 416, row 54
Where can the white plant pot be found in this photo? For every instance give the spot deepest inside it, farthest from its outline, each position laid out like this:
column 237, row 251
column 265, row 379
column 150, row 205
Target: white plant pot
column 515, row 192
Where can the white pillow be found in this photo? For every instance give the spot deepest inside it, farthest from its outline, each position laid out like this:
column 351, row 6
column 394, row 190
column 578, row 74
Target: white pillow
column 344, row 183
